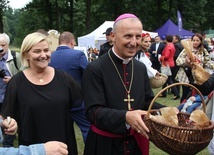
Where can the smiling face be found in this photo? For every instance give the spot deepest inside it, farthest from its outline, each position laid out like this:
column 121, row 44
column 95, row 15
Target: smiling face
column 146, row 43
column 39, row 55
column 196, row 42
column 127, row 37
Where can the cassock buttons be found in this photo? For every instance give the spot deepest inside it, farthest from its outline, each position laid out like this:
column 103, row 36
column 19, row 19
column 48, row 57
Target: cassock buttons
column 127, row 83
column 126, row 74
column 128, row 152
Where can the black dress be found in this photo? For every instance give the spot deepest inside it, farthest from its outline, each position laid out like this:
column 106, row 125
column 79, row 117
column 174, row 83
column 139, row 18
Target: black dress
column 104, row 96
column 42, row 111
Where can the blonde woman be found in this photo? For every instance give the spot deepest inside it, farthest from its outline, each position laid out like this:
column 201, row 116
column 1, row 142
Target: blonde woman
column 40, row 97
column 143, row 56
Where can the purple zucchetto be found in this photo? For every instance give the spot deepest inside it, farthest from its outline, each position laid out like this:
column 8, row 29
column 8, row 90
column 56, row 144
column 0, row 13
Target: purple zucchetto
column 124, row 16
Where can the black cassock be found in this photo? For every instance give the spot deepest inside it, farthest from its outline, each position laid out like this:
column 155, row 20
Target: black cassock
column 104, row 96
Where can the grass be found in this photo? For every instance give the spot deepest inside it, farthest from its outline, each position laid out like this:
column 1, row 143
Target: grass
column 153, row 149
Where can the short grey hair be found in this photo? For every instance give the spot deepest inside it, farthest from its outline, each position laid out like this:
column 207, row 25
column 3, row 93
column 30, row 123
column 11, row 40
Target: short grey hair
column 5, row 37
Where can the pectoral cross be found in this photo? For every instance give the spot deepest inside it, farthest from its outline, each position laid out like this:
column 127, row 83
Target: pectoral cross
column 129, row 100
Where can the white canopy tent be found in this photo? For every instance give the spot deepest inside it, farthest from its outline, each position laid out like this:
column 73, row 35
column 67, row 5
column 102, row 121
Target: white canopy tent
column 96, row 38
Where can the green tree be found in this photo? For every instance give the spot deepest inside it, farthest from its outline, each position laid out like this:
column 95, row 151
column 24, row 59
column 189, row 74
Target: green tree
column 81, row 17
column 10, row 20
column 3, row 5
column 194, row 14
column 209, row 14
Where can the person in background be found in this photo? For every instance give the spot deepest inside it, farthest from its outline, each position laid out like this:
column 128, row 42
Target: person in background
column 104, row 48
column 96, row 52
column 202, row 57
column 50, row 148
column 191, row 104
column 205, row 43
column 117, row 92
column 40, row 97
column 142, row 56
column 152, row 40
column 9, row 66
column 91, row 55
column 74, row 63
column 167, row 58
column 178, row 48
column 155, row 51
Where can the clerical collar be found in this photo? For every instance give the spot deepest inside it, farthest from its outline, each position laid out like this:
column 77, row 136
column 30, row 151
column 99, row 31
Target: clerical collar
column 125, row 61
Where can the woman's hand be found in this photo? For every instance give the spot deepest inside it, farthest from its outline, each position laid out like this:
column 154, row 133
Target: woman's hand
column 10, row 126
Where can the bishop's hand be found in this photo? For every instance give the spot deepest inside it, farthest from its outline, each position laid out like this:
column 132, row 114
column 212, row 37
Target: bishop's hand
column 134, row 119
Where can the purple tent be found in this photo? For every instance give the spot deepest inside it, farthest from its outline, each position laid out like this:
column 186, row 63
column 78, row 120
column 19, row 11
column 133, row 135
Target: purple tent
column 170, row 28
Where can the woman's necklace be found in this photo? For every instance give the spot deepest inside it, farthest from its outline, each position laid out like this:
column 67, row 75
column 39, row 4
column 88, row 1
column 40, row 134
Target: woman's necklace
column 41, row 80
column 128, row 100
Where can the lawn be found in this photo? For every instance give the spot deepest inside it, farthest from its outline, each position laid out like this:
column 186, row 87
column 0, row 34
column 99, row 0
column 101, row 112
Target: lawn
column 153, row 149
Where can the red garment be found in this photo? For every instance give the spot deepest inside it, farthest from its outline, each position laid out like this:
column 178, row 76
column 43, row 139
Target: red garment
column 147, row 54
column 168, row 55
column 142, row 142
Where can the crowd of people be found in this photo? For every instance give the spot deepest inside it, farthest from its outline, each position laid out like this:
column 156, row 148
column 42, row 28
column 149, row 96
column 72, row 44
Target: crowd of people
column 106, row 93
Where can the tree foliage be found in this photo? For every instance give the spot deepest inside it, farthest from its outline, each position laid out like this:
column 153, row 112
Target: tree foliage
column 3, row 6
column 82, row 17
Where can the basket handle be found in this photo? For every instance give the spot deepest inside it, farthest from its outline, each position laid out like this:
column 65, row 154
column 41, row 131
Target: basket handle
column 172, row 85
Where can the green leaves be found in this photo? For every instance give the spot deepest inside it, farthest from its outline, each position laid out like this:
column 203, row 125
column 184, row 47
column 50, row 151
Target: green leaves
column 81, row 17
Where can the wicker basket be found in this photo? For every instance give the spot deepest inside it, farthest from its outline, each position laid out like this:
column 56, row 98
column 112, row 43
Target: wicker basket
column 178, row 140
column 158, row 81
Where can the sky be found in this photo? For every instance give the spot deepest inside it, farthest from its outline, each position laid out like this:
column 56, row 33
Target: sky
column 17, row 4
